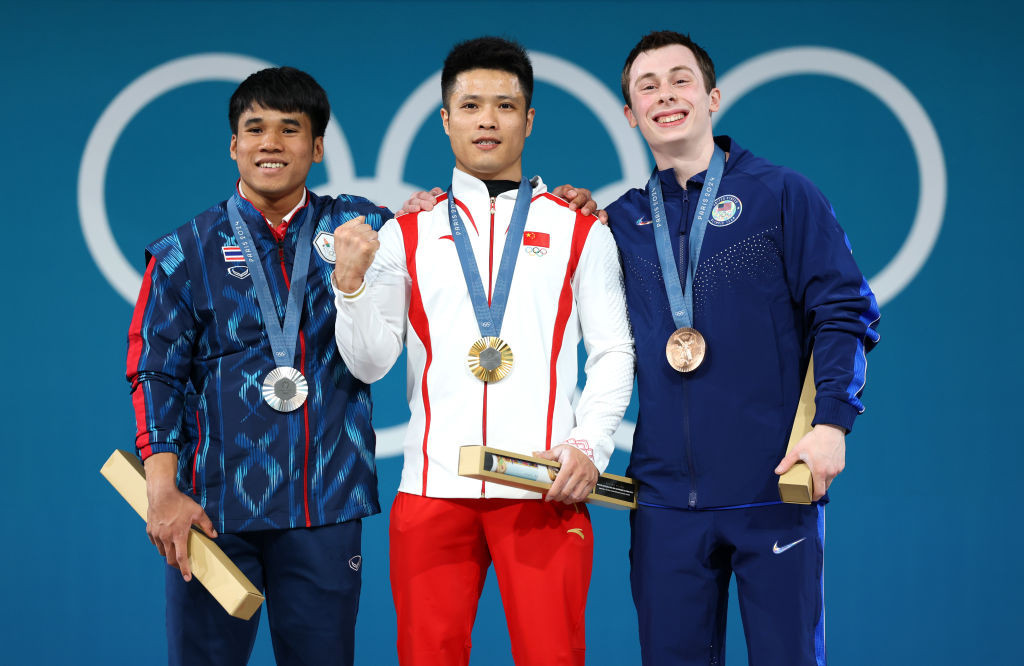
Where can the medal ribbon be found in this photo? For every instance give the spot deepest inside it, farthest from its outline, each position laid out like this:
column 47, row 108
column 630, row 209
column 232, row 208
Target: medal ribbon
column 679, row 300
column 489, row 317
column 282, row 339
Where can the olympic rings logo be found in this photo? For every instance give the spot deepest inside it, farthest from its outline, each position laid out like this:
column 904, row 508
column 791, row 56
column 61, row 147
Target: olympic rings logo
column 535, row 251
column 387, row 183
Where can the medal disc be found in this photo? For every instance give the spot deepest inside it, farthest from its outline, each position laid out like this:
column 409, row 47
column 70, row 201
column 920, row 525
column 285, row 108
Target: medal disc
column 490, row 359
column 685, row 349
column 284, row 389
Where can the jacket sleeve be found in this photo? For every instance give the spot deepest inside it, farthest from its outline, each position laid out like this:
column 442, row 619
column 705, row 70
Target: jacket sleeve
column 601, row 302
column 839, row 309
column 370, row 325
column 160, row 342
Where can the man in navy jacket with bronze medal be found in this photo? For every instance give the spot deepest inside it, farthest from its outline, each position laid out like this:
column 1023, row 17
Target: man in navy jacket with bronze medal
column 734, row 268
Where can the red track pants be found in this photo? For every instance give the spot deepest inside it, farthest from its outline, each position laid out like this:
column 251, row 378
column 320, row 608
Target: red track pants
column 440, row 552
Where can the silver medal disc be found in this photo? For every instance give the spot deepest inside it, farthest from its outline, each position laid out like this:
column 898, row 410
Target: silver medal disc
column 285, row 389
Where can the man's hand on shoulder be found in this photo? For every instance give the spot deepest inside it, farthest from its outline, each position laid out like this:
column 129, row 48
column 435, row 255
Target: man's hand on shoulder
column 355, row 245
column 172, row 513
column 576, row 478
column 580, row 198
column 420, row 201
column 824, row 451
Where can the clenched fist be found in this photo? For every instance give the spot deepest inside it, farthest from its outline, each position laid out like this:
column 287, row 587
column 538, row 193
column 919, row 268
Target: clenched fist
column 355, row 244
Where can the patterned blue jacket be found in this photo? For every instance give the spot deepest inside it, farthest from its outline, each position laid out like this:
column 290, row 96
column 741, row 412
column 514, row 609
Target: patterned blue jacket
column 776, row 276
column 197, row 357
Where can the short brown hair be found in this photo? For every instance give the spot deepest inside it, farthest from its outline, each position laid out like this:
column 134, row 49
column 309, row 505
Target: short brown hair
column 656, row 40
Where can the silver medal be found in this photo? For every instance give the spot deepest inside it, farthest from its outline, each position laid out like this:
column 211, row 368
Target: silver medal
column 285, row 389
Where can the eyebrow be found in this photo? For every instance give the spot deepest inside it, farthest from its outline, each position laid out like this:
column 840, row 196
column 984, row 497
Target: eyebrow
column 475, row 96
column 285, row 120
column 675, row 69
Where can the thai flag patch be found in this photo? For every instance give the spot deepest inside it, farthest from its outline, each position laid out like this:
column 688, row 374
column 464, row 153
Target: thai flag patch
column 232, row 253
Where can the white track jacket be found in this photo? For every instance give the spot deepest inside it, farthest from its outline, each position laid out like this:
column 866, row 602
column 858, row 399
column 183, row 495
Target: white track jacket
column 567, row 285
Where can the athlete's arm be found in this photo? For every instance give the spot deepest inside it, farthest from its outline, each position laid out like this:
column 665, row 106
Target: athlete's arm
column 597, row 288
column 842, row 315
column 159, row 357
column 372, row 289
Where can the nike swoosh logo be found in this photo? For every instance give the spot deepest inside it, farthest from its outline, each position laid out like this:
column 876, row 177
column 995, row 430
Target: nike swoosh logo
column 779, row 551
column 577, row 531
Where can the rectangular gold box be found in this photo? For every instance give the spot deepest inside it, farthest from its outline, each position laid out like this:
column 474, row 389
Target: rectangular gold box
column 796, row 485
column 210, row 565
column 530, row 473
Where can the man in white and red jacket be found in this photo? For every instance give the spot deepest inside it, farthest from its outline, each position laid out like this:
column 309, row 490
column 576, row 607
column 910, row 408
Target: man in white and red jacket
column 409, row 287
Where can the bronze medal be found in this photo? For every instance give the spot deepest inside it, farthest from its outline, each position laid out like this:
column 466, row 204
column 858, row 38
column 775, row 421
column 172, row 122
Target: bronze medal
column 685, row 349
column 490, row 359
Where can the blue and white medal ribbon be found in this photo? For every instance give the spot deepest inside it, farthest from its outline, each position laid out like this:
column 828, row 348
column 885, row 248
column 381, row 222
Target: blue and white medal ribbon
column 686, row 347
column 490, row 358
column 284, row 388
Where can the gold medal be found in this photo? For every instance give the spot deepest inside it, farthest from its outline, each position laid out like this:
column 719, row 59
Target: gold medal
column 685, row 349
column 490, row 359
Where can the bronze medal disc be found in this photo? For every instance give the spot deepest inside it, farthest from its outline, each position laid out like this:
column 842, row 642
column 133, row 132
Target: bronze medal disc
column 685, row 349
column 490, row 359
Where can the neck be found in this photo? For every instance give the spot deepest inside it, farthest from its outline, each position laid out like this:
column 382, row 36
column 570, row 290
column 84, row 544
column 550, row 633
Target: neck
column 514, row 172
column 687, row 160
column 273, row 208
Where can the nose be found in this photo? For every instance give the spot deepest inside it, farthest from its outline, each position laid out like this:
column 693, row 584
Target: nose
column 488, row 118
column 270, row 142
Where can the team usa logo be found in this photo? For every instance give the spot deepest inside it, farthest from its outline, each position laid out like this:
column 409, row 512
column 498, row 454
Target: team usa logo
column 324, row 244
column 727, row 210
column 536, row 243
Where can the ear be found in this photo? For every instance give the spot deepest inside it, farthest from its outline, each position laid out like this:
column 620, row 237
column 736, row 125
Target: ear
column 232, row 148
column 444, row 120
column 318, row 149
column 716, row 99
column 529, row 122
column 630, row 118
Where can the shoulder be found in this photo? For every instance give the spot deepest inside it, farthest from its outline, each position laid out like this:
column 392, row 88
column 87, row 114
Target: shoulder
column 172, row 249
column 347, row 206
column 629, row 206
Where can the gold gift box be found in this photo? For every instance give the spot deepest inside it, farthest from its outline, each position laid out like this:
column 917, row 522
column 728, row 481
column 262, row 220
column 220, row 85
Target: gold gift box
column 481, row 462
column 210, row 565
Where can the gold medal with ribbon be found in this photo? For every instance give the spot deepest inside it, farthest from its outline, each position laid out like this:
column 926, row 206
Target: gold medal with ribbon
column 490, row 359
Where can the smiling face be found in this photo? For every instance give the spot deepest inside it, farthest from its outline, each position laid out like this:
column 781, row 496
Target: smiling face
column 669, row 100
column 487, row 122
column 274, row 151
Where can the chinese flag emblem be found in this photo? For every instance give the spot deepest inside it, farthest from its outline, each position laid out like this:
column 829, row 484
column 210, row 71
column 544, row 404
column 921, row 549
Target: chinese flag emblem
column 536, row 239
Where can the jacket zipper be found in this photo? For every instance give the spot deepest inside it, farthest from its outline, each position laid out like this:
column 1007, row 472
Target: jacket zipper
column 490, row 269
column 305, row 406
column 691, row 500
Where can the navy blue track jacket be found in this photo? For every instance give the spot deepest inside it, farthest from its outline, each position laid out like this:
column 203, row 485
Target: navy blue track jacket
column 776, row 276
column 197, row 357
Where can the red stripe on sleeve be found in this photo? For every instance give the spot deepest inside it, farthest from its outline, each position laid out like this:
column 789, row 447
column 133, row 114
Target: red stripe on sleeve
column 135, row 345
column 579, row 236
column 419, row 323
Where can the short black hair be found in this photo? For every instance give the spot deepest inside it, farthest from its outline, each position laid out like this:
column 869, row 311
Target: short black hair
column 659, row 39
column 281, row 89
column 487, row 53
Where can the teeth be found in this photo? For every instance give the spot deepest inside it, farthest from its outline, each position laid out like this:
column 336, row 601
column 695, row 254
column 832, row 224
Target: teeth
column 671, row 119
column 486, row 142
column 272, row 165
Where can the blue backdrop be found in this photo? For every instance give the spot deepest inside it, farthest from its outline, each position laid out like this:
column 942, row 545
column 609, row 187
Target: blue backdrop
column 115, row 131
